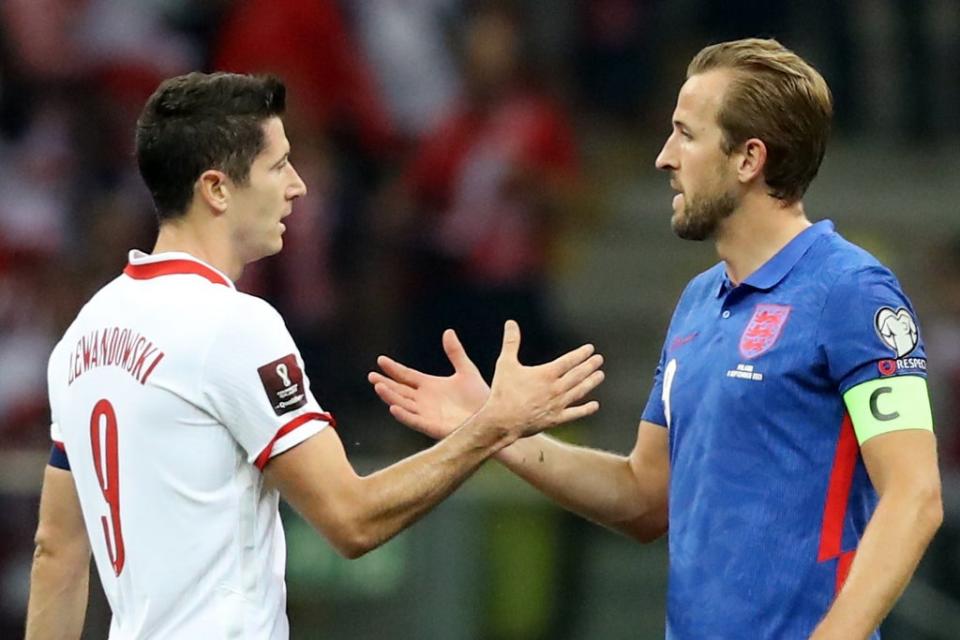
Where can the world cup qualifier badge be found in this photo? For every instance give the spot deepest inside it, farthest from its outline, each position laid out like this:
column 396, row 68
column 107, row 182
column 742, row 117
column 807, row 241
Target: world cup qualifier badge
column 897, row 329
column 283, row 382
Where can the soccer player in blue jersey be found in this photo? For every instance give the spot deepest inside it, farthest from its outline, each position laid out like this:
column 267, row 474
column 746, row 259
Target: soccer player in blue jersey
column 787, row 443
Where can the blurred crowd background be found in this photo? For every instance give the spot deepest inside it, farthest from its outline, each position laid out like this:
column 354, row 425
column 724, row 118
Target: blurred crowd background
column 467, row 161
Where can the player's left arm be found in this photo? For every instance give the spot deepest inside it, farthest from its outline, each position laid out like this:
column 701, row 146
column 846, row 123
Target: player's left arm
column 61, row 562
column 892, row 420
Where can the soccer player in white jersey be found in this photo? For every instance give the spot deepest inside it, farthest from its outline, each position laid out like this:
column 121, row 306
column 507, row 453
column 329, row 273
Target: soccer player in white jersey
column 181, row 410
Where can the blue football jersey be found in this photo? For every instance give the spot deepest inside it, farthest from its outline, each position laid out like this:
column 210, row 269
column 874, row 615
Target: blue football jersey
column 769, row 496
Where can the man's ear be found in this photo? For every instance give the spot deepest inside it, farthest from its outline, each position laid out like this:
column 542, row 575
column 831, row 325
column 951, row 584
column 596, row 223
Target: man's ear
column 214, row 187
column 752, row 158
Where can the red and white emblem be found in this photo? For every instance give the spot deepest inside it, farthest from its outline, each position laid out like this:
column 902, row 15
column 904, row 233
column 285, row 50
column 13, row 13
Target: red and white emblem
column 763, row 329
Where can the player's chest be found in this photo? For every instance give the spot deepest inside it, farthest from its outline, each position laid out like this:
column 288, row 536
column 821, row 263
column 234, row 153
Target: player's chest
column 727, row 360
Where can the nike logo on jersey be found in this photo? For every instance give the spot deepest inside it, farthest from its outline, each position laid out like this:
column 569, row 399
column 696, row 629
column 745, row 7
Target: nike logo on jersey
column 680, row 341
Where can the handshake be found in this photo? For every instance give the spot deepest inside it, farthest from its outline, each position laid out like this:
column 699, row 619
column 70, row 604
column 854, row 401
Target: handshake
column 520, row 402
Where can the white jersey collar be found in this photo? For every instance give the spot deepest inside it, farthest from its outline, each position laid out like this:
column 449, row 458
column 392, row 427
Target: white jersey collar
column 144, row 266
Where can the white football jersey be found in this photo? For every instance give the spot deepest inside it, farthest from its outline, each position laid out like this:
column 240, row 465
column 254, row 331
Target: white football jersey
column 169, row 393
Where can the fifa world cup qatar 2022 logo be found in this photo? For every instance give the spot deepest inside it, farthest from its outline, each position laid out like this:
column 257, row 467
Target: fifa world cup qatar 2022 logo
column 283, row 383
column 284, row 372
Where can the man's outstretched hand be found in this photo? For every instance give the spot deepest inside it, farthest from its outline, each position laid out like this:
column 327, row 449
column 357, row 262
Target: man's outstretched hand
column 436, row 405
column 433, row 405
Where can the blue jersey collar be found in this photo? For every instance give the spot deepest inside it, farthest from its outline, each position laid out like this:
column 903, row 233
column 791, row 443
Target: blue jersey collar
column 776, row 268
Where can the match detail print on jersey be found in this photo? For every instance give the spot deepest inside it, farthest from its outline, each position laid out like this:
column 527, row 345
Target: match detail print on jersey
column 889, row 404
column 283, row 383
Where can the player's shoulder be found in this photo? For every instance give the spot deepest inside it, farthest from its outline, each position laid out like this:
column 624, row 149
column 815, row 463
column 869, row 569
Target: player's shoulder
column 102, row 298
column 247, row 321
column 248, row 309
column 841, row 261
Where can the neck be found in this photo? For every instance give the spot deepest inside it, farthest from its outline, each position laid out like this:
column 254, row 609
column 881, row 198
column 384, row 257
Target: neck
column 756, row 232
column 207, row 243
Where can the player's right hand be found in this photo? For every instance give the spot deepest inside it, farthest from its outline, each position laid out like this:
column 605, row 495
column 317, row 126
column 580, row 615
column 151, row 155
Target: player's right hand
column 433, row 405
column 527, row 400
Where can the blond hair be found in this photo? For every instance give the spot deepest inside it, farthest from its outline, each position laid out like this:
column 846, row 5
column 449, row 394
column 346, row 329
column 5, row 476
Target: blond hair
column 777, row 97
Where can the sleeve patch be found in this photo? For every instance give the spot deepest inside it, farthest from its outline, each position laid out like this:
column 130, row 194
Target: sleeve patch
column 889, row 404
column 283, row 383
column 897, row 329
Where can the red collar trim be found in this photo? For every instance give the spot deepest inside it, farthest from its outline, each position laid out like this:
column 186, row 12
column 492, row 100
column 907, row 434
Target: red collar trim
column 149, row 270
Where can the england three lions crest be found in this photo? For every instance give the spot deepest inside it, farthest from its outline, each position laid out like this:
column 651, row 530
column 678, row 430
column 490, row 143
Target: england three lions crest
column 763, row 330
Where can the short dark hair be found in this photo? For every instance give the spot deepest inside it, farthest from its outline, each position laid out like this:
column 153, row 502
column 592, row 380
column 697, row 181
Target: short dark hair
column 776, row 96
column 196, row 122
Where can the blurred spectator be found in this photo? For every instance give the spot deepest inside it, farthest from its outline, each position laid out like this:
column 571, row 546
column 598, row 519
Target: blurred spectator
column 406, row 43
column 35, row 173
column 307, row 42
column 486, row 187
column 42, row 39
column 26, row 339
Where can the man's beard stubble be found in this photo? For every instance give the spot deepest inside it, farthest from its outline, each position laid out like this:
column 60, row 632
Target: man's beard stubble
column 701, row 218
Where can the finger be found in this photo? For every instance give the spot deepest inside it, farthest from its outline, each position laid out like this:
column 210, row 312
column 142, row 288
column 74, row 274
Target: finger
column 578, row 412
column 570, row 359
column 396, row 389
column 456, row 353
column 578, row 392
column 399, row 371
column 579, row 373
column 376, row 378
column 408, row 418
column 394, row 399
column 511, row 340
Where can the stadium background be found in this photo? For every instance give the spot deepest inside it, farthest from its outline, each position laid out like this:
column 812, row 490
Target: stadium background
column 370, row 83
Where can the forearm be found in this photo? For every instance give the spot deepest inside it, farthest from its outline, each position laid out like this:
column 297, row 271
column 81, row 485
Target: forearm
column 892, row 545
column 393, row 498
column 58, row 596
column 598, row 485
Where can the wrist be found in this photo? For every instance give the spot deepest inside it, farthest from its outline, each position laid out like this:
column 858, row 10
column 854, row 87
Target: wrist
column 494, row 430
column 520, row 451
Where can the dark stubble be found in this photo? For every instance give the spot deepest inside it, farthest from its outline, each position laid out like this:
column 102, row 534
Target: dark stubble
column 701, row 218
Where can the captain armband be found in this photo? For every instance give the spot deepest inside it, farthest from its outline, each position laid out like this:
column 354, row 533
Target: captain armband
column 889, row 404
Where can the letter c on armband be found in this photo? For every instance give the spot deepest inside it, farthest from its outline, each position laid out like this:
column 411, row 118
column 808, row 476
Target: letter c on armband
column 875, row 410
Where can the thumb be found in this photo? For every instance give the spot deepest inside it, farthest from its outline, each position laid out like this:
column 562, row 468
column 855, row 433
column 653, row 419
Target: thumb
column 511, row 340
column 456, row 353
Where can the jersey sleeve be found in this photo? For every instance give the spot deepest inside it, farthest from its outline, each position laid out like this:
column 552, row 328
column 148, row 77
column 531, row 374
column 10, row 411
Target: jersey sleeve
column 58, row 452
column 655, row 411
column 875, row 354
column 869, row 330
column 255, row 385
